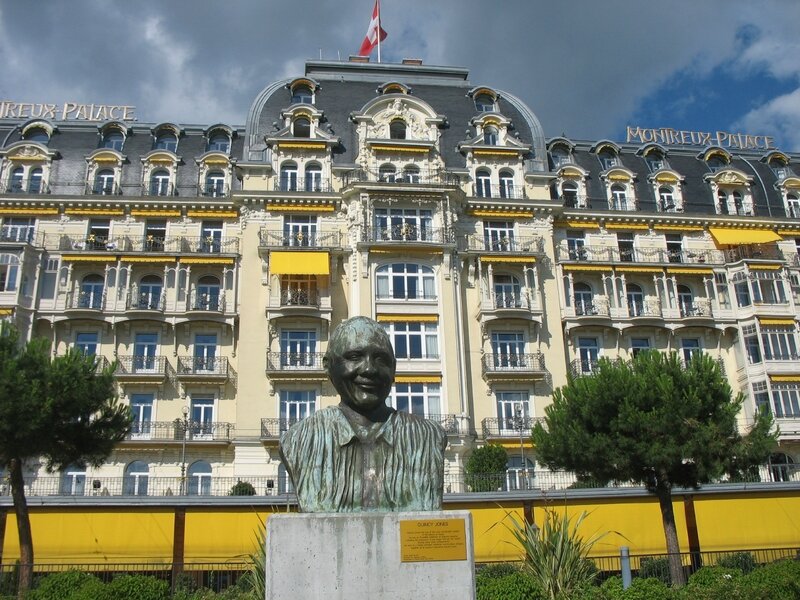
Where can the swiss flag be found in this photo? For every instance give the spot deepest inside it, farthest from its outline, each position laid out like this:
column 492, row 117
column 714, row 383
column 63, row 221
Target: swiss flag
column 371, row 39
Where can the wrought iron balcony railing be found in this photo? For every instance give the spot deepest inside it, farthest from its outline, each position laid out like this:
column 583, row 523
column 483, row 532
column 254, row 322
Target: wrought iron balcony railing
column 294, row 361
column 408, row 232
column 83, row 300
column 214, row 190
column 534, row 245
column 508, row 427
column 147, row 243
column 302, row 184
column 300, row 298
column 207, row 302
column 146, row 301
column 180, row 430
column 271, row 429
column 422, row 177
column 638, row 255
column 141, row 365
column 34, row 185
column 203, row 366
column 483, row 190
column 300, row 239
column 519, row 363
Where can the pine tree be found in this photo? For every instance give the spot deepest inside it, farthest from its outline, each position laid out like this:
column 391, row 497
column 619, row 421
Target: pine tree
column 656, row 422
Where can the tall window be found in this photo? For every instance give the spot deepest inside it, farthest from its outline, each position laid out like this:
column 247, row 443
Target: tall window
column 507, row 291
column 690, row 347
column 149, row 294
column 512, row 411
column 635, row 299
column 155, row 234
column 299, row 290
column 211, row 236
column 141, row 415
column 219, row 142
column 666, row 198
column 781, row 467
column 215, row 184
column 205, row 352
column 9, row 272
column 397, row 129
column 91, row 292
column 207, row 296
column 780, row 343
column 498, row 236
column 414, row 340
column 145, row 348
column 411, row 174
column 674, row 247
column 387, row 173
column 639, row 345
column 588, row 353
column 483, row 183
column 507, row 184
column 202, row 415
column 199, row 478
column 104, row 182
column 625, row 246
column 73, row 480
column 299, row 230
column 35, row 181
column 296, row 405
column 421, row 399
column 301, row 128
column 583, row 299
column 86, row 342
column 406, row 281
column 793, row 206
column 298, row 348
column 159, row 183
column 619, row 197
column 686, row 301
column 289, row 177
column 576, row 241
column 16, row 184
column 490, row 135
column 520, row 474
column 404, row 224
column 786, row 401
column 135, row 480
column 569, row 192
column 508, row 349
column 313, row 177
column 166, row 141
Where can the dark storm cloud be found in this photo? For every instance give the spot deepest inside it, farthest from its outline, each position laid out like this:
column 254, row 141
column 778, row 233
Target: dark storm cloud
column 584, row 67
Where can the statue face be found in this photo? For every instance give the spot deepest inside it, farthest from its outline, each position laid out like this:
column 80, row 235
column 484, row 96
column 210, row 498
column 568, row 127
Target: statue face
column 361, row 367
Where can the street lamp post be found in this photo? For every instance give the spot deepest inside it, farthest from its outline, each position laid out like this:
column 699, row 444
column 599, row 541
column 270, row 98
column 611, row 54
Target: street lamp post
column 519, row 419
column 185, row 411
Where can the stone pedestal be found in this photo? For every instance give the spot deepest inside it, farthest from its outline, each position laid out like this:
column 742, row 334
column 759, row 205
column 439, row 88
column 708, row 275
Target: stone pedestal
column 397, row 556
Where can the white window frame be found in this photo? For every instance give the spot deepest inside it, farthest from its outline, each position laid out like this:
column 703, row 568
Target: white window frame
column 421, row 399
column 393, row 283
column 406, row 336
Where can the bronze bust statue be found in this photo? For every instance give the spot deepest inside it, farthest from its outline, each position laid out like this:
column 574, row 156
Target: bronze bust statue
column 363, row 455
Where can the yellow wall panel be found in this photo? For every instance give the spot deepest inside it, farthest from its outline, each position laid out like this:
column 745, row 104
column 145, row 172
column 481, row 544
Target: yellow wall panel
column 219, row 535
column 492, row 538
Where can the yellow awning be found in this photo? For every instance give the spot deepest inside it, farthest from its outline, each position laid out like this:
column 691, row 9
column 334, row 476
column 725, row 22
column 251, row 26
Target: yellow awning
column 640, row 269
column 89, row 258
column 406, row 318
column 669, row 227
column 220, row 214
column 140, row 212
column 582, row 224
column 196, row 260
column 789, row 322
column 501, row 213
column 6, row 311
column 299, row 263
column 418, row 379
column 794, row 232
column 149, row 259
column 736, row 237
column 686, row 271
column 587, row 268
column 302, row 207
column 784, row 378
column 627, row 226
column 507, row 259
column 28, row 211
column 98, row 212
column 765, row 267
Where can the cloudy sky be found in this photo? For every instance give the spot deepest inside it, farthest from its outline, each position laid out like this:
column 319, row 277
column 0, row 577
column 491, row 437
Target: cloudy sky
column 586, row 68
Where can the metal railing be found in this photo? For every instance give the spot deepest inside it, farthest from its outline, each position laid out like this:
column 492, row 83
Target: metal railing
column 146, row 301
column 504, row 244
column 294, row 361
column 202, row 365
column 514, row 363
column 20, row 234
column 81, row 300
column 178, row 430
column 102, row 189
column 300, row 298
column 408, row 232
column 207, row 302
column 510, row 191
column 755, row 252
column 302, row 184
column 148, row 243
column 27, row 186
column 638, row 255
column 422, row 177
column 159, row 189
column 213, row 191
column 508, row 427
column 300, row 239
column 141, row 365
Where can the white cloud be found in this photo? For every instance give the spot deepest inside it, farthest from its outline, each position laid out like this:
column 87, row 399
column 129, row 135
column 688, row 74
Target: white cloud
column 780, row 117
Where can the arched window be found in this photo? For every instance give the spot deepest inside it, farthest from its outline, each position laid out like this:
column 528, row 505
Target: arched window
column 397, row 129
column 569, row 192
column 560, row 156
column 387, row 173
column 619, row 197
column 490, row 135
column 666, row 198
column 219, row 141
column 737, row 202
column 37, row 134
column 781, row 467
column 35, row 181
column 166, row 140
column 313, row 177
column 484, row 103
column 289, row 177
column 207, row 294
column 302, row 94
column 73, row 480
column 507, row 291
column 507, row 184
column 91, row 293
column 301, row 127
column 716, row 162
column 113, row 139
column 199, row 478
column 136, row 477
column 686, row 301
column 483, row 183
column 405, row 281
column 635, row 298
column 584, row 299
column 17, row 183
column 779, row 167
column 150, row 294
column 411, row 174
column 104, row 182
column 608, row 158
column 654, row 160
column 215, row 184
column 159, row 183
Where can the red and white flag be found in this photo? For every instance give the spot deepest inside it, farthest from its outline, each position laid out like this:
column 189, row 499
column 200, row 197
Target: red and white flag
column 373, row 32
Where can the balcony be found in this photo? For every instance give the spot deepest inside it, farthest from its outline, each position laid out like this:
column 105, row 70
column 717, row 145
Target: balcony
column 493, row 427
column 648, row 308
column 314, row 185
column 525, row 366
column 300, row 298
column 507, row 191
column 159, row 189
column 213, row 190
column 103, row 189
column 204, row 368
column 143, row 368
column 299, row 239
column 510, row 244
column 178, row 430
column 89, row 301
column 610, row 254
column 407, row 233
column 17, row 234
column 295, row 363
column 422, row 177
column 149, row 243
column 597, row 307
column 145, row 302
column 509, row 304
column 756, row 252
column 34, row 185
column 203, row 302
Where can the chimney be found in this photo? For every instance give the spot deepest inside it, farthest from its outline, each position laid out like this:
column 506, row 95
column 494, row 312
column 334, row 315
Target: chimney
column 359, row 59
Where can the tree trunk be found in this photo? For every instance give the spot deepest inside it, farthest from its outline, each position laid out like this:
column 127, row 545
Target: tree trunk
column 676, row 574
column 23, row 527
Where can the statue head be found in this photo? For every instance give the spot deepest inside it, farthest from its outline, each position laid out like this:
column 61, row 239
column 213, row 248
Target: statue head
column 360, row 363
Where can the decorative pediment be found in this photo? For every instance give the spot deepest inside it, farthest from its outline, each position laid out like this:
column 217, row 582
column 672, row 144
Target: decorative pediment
column 420, row 120
column 620, row 174
column 666, row 176
column 729, row 177
column 28, row 152
column 106, row 156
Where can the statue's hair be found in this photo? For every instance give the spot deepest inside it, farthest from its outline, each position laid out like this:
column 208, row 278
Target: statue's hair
column 356, row 323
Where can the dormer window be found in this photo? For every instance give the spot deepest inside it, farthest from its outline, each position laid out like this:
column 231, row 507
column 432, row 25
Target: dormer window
column 301, row 127
column 219, row 142
column 793, row 206
column 490, row 135
column 484, row 102
column 666, row 198
column 715, row 162
column 302, row 94
column 397, row 129
column 166, row 140
column 779, row 167
column 608, row 158
column 655, row 161
column 569, row 192
column 113, row 139
column 37, row 134
column 560, row 156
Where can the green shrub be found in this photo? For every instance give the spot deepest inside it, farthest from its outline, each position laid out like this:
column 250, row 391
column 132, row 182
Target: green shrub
column 67, row 585
column 136, row 587
column 504, row 581
column 242, row 488
column 655, row 568
column 777, row 581
column 711, row 576
column 743, row 561
column 485, row 469
column 640, row 589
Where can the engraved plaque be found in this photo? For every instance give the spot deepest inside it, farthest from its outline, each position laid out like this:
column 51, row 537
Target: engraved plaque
column 433, row 540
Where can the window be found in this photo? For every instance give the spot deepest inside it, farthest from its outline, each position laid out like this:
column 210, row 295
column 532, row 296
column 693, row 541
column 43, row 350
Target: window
column 689, row 347
column 655, row 161
column 588, row 353
column 421, row 399
column 98, row 237
column 218, row 142
column 134, row 482
column 498, row 236
column 666, row 198
column 619, row 197
column 414, row 340
column 520, row 473
column 113, row 139
column 37, row 134
column 313, row 178
column 625, row 247
column 686, row 302
column 490, row 135
column 793, row 206
column 767, row 287
column 202, row 416
column 721, row 289
column 779, row 167
column 141, row 415
column 411, row 174
column 299, row 290
column 635, row 298
column 289, row 177
column 302, row 94
column 9, row 272
column 155, row 234
column 145, row 347
column 751, row 345
column 215, row 184
column 483, row 183
column 160, row 183
column 86, row 342
column 17, row 182
column 575, row 245
column 608, row 158
column 507, row 184
column 166, row 141
column 484, row 103
column 405, row 281
column 569, row 193
column 207, row 294
column 387, row 173
column 674, row 247
column 639, row 345
column 296, row 405
column 301, row 128
column 397, row 129
column 560, row 157
column 104, row 182
column 35, row 181
column 742, row 289
column 73, row 481
column 512, row 411
column 299, row 230
column 761, row 396
column 404, row 224
column 211, row 236
column 786, row 401
column 205, row 353
column 583, row 299
column 92, row 292
column 779, row 343
column 299, row 348
column 507, row 291
column 199, row 478
column 715, row 162
column 781, row 467
column 508, row 349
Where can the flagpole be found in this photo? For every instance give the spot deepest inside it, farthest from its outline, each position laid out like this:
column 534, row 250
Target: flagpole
column 378, row 4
